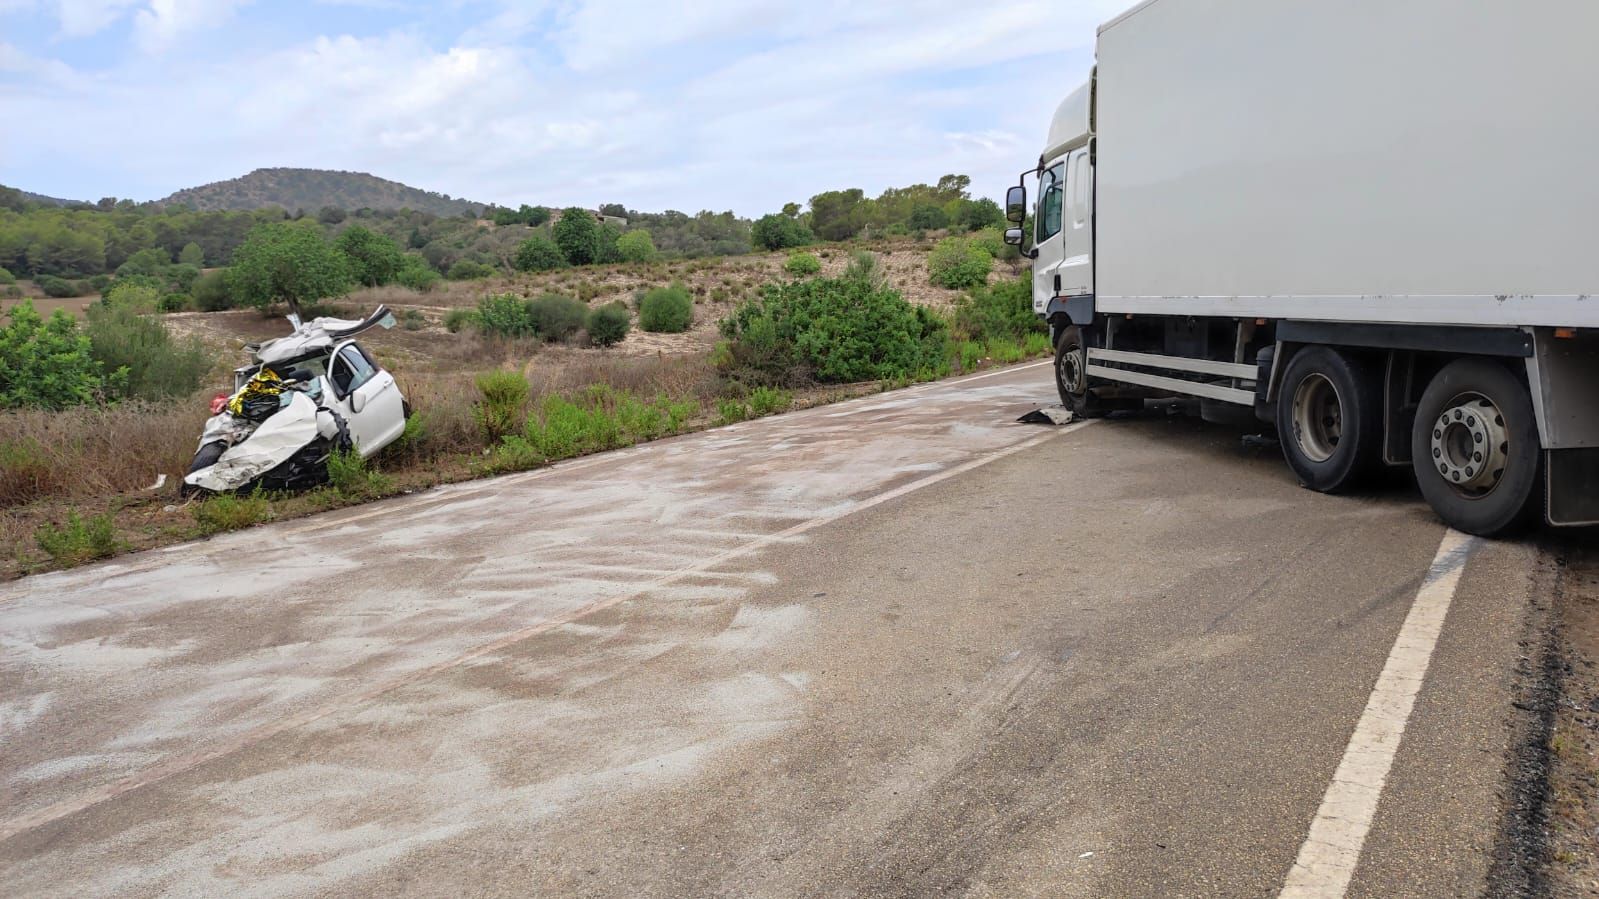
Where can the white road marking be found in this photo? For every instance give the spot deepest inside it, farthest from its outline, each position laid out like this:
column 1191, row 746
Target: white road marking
column 1330, row 853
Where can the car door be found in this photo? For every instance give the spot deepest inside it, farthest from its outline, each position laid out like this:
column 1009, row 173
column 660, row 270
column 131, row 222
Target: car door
column 367, row 397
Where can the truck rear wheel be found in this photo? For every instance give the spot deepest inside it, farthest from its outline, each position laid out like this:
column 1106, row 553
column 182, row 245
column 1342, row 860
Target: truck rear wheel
column 1329, row 418
column 1071, row 374
column 1475, row 449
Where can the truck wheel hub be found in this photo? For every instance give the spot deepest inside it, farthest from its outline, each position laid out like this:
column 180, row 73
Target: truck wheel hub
column 1318, row 417
column 1470, row 445
column 1074, row 370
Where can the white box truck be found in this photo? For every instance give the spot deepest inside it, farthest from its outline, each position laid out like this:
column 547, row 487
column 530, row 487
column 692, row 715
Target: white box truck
column 1374, row 222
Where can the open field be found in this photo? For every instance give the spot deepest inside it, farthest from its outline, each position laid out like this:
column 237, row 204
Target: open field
column 101, row 461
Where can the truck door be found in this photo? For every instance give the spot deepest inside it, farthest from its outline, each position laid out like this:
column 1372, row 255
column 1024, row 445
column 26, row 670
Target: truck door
column 1077, row 228
column 1048, row 219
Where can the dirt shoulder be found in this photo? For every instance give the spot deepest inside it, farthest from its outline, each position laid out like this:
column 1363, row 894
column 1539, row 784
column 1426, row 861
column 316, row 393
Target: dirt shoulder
column 1571, row 816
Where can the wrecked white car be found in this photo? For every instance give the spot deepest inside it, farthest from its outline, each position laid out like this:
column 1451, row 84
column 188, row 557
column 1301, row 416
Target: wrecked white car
column 306, row 396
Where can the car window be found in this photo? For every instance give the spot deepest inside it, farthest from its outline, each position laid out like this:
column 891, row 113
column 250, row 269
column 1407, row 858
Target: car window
column 350, row 370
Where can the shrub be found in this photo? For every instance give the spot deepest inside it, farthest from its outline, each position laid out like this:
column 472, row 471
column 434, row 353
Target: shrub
column 151, row 261
column 779, row 232
column 975, row 215
column 608, row 324
column 668, row 310
column 6, row 277
column 927, row 217
column 555, row 317
column 79, row 540
column 802, row 264
column 25, row 471
column 832, row 330
column 504, row 315
column 180, row 278
column 467, row 270
column 1003, row 309
column 636, row 246
column 456, row 319
column 349, row 474
column 730, row 411
column 770, row 400
column 538, row 254
column 192, row 254
column 210, row 292
column 416, row 274
column 578, row 235
column 231, row 512
column 46, row 363
column 565, row 429
column 135, row 345
column 57, row 288
column 992, row 241
column 372, row 259
column 863, row 267
column 500, row 411
column 958, row 264
column 173, row 302
column 513, row 453
column 413, row 320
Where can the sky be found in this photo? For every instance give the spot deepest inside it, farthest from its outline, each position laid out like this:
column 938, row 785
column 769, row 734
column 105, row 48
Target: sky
column 730, row 104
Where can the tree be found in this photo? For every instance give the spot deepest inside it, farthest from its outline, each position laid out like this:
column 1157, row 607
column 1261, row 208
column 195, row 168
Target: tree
column 533, row 216
column 191, row 254
column 609, row 235
column 791, row 210
column 373, row 259
column 838, row 214
column 286, row 263
column 578, row 236
column 975, row 215
column 614, row 210
column 153, row 262
column 538, row 254
column 45, row 363
column 330, row 215
column 636, row 246
column 779, row 232
column 927, row 217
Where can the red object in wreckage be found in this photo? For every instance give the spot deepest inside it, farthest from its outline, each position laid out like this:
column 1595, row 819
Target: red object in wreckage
column 217, row 402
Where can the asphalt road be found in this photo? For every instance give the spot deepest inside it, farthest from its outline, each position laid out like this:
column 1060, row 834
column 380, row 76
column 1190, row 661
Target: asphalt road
column 899, row 646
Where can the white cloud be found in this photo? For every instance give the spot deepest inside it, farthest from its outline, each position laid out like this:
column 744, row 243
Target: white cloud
column 744, row 106
column 81, row 18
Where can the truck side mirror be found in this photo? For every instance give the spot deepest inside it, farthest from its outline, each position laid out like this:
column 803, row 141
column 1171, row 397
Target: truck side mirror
column 1013, row 236
column 1016, row 204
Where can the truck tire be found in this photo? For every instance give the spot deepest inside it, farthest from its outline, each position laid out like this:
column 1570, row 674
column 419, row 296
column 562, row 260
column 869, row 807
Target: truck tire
column 1329, row 418
column 1475, row 449
column 1071, row 374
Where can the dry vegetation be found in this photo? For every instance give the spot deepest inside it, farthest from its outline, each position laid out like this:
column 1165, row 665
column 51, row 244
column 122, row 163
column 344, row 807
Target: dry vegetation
column 102, row 460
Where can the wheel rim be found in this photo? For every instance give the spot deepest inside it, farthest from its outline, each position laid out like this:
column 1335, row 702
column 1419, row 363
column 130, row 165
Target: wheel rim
column 1470, row 445
column 1072, row 370
column 1318, row 417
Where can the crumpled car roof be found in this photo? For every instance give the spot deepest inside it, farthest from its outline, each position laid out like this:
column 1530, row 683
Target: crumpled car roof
column 320, row 334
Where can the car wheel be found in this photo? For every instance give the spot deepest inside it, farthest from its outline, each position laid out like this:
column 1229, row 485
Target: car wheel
column 1329, row 418
column 1475, row 449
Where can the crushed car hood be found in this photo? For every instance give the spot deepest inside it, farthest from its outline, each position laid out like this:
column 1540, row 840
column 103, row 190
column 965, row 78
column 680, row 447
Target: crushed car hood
column 319, row 334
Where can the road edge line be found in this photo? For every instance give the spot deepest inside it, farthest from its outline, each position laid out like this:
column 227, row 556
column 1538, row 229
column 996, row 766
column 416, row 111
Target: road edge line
column 1331, row 851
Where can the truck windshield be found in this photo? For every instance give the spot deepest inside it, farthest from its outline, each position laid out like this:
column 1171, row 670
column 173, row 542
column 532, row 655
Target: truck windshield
column 1051, row 189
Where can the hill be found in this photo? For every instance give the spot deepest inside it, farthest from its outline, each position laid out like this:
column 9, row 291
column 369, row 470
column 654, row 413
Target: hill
column 312, row 189
column 48, row 201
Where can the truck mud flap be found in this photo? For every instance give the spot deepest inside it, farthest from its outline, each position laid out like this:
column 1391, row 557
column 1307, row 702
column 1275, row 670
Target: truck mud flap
column 1573, row 485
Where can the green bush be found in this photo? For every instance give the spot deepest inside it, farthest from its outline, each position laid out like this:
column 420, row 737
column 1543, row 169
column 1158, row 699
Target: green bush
column 668, row 310
column 211, row 292
column 456, row 319
column 58, row 288
column 192, row 254
column 46, row 364
column 180, row 278
column 802, row 264
column 579, row 236
column 927, row 217
column 832, row 330
column 372, row 259
column 608, row 324
column 513, row 453
column 730, row 411
column 467, row 270
column 413, row 320
column 770, row 401
column 152, row 261
column 780, row 232
column 416, row 274
column 173, row 302
column 1003, row 309
column 555, row 317
column 501, row 409
column 538, row 254
column 231, row 512
column 565, row 429
column 992, row 241
column 79, row 540
column 958, row 264
column 504, row 315
column 149, row 364
column 349, row 474
column 636, row 246
column 6, row 277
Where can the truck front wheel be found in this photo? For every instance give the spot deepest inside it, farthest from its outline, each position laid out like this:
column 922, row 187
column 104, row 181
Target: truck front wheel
column 1071, row 374
column 1475, row 448
column 1329, row 418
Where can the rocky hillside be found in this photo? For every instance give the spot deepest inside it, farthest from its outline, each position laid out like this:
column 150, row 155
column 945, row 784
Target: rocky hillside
column 312, row 189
